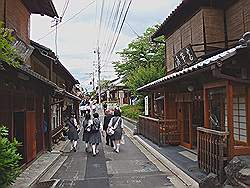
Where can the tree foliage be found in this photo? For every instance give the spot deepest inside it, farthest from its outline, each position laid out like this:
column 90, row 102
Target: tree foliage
column 8, row 53
column 9, row 159
column 142, row 61
column 105, row 84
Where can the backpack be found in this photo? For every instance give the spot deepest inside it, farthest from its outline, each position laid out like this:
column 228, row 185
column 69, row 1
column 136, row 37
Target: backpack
column 95, row 126
column 87, row 126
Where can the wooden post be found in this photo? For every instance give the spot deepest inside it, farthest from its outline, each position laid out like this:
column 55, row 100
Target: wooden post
column 49, row 124
column 206, row 108
column 230, row 117
column 152, row 106
column 165, row 104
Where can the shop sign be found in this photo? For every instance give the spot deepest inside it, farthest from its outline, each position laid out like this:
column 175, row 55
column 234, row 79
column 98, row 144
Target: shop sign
column 23, row 49
column 184, row 57
column 146, row 106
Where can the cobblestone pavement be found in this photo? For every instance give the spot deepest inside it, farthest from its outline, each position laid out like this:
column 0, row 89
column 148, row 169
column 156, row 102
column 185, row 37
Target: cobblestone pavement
column 128, row 169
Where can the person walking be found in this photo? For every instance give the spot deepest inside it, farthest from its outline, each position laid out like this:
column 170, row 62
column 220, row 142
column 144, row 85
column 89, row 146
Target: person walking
column 105, row 106
column 116, row 124
column 95, row 137
column 73, row 131
column 107, row 118
column 87, row 130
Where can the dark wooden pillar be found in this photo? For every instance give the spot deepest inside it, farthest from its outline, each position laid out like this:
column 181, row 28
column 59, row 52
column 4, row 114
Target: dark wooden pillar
column 165, row 104
column 206, row 108
column 152, row 105
column 230, row 117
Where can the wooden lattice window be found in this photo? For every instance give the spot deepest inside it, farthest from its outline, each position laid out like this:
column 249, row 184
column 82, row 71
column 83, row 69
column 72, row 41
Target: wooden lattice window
column 239, row 114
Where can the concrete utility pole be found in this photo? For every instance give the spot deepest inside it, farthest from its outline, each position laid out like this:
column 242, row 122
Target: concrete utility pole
column 93, row 80
column 99, row 74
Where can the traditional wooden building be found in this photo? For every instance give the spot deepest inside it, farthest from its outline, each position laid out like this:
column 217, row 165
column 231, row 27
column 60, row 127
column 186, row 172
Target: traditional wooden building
column 202, row 103
column 63, row 100
column 24, row 94
column 118, row 92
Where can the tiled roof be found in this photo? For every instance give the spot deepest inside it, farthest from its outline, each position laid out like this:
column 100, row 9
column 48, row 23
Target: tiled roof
column 43, row 7
column 37, row 76
column 207, row 62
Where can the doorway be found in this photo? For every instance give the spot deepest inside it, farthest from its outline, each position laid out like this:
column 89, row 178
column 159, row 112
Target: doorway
column 19, row 133
column 184, row 118
column 190, row 116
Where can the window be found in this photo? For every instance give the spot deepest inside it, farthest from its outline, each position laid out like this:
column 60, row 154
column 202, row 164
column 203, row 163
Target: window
column 56, row 116
column 217, row 108
column 239, row 114
column 159, row 104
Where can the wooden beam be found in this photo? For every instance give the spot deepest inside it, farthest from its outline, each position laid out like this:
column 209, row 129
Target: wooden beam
column 230, row 118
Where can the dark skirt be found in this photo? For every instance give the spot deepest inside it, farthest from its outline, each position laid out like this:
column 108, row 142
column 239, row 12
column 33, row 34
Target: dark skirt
column 73, row 135
column 86, row 136
column 117, row 135
column 95, row 138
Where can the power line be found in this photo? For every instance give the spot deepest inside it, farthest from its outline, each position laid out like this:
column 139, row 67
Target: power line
column 113, row 24
column 108, row 18
column 124, row 18
column 75, row 15
column 117, row 26
column 132, row 29
column 66, row 4
column 100, row 23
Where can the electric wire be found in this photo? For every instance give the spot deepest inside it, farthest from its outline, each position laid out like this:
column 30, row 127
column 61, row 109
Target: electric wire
column 112, row 27
column 117, row 26
column 72, row 17
column 124, row 18
column 132, row 29
column 107, row 23
column 100, row 24
column 66, row 5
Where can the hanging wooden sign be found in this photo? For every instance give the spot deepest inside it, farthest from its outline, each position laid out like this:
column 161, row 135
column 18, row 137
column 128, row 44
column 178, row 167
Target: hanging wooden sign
column 185, row 57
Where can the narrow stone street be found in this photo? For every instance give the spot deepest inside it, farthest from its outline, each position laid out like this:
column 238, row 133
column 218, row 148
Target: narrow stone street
column 129, row 168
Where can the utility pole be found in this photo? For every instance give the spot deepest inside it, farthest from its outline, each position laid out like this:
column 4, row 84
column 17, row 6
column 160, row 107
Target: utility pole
column 99, row 74
column 93, row 80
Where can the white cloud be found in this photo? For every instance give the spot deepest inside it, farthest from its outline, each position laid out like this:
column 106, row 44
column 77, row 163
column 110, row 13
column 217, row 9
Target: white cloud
column 77, row 38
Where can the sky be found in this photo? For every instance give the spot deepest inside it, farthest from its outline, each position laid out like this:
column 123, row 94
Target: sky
column 77, row 34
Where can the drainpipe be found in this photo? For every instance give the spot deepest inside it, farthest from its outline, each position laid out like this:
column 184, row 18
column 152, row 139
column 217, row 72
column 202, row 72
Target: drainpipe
column 4, row 11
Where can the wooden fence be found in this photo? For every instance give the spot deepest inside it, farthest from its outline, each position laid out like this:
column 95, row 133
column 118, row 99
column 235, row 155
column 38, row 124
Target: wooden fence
column 212, row 151
column 161, row 132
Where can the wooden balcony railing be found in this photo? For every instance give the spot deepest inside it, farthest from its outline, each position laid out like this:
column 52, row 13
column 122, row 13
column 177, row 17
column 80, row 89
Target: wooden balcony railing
column 161, row 132
column 212, row 151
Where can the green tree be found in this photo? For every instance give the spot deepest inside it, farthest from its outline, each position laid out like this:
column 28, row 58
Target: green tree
column 105, row 84
column 8, row 53
column 142, row 61
column 9, row 159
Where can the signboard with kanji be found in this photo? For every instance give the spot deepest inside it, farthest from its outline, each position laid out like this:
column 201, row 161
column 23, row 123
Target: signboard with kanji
column 184, row 57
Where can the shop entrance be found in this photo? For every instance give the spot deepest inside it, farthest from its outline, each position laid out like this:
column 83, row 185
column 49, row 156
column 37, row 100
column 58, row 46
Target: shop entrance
column 190, row 116
column 184, row 117
column 19, row 133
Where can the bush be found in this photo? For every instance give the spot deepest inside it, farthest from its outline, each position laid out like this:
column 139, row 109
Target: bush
column 9, row 159
column 132, row 111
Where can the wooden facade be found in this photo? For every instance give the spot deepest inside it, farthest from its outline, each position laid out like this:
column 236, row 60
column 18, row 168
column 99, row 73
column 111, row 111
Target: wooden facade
column 29, row 94
column 62, row 102
column 208, row 103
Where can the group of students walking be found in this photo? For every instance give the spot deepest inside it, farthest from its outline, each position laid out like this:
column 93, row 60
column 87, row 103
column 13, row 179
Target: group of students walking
column 93, row 130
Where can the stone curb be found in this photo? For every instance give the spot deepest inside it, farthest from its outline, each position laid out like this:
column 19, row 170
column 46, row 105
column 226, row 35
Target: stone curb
column 185, row 178
column 34, row 181
column 45, row 171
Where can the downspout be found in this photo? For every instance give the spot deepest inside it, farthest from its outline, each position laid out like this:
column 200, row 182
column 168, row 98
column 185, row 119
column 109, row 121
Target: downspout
column 225, row 29
column 5, row 12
